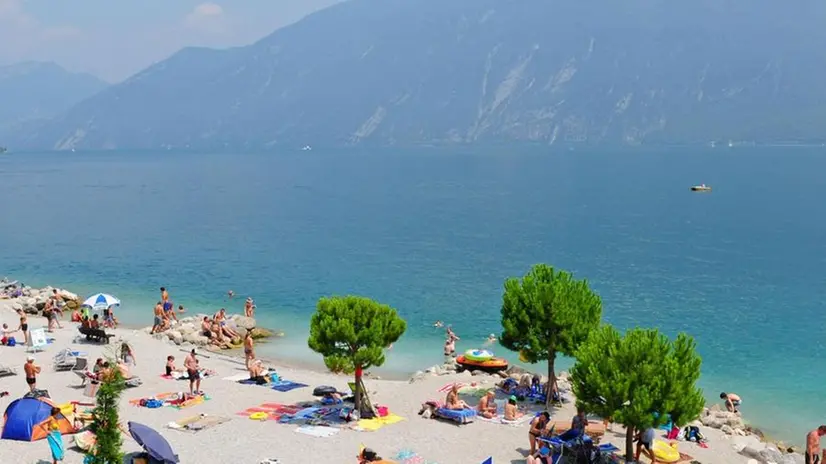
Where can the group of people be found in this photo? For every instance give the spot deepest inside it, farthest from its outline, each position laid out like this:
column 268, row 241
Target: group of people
column 164, row 313
column 192, row 368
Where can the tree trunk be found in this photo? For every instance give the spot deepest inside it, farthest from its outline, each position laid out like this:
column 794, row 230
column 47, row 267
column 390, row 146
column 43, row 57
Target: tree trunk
column 629, row 444
column 549, row 395
column 362, row 400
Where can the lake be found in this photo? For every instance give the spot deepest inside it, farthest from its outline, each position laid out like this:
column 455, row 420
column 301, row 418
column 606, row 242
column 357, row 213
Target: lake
column 435, row 234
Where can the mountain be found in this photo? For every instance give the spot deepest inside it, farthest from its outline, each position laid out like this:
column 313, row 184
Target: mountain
column 34, row 90
column 404, row 72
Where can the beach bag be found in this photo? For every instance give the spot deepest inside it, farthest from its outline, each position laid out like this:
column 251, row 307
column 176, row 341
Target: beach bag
column 11, row 341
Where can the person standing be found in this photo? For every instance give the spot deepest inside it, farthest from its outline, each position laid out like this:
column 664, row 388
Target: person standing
column 31, row 369
column 53, row 436
column 249, row 351
column 646, row 440
column 168, row 307
column 813, row 454
column 191, row 365
column 24, row 326
column 249, row 308
column 157, row 323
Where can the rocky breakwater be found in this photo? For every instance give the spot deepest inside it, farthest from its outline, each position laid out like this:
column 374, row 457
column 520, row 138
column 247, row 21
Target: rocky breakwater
column 732, row 423
column 188, row 331
column 32, row 300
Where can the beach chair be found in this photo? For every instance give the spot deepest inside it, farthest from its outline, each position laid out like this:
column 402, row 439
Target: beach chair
column 68, row 360
column 96, row 335
column 6, row 371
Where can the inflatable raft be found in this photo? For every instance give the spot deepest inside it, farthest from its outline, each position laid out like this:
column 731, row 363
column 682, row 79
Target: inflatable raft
column 666, row 452
column 491, row 364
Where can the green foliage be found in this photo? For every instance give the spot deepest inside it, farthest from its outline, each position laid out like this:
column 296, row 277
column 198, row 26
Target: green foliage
column 352, row 332
column 638, row 378
column 548, row 312
column 106, row 424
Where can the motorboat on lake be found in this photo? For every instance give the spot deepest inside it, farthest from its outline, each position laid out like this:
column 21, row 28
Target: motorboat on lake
column 701, row 188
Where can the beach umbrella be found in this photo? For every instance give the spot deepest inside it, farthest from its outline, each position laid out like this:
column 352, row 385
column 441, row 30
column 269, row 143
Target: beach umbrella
column 153, row 443
column 101, row 301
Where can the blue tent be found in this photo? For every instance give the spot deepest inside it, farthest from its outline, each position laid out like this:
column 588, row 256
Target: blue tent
column 25, row 418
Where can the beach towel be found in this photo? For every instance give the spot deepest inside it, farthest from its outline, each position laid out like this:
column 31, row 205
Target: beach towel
column 198, row 423
column 461, row 416
column 446, row 388
column 410, row 457
column 188, row 403
column 85, row 440
column 371, row 425
column 274, row 410
column 317, row 431
column 286, row 385
column 159, row 396
column 56, row 445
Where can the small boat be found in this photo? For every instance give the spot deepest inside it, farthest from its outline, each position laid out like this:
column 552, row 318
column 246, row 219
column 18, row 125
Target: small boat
column 492, row 364
column 701, row 188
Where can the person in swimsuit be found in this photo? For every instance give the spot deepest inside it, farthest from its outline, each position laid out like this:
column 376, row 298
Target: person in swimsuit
column 94, row 323
column 24, row 325
column 31, row 370
column 258, row 373
column 249, row 352
column 249, row 307
column 452, row 400
column 167, row 305
column 230, row 294
column 487, row 405
column 512, row 410
column 181, row 309
column 157, row 323
column 191, row 365
column 450, row 342
column 543, row 456
column 537, row 428
column 732, row 401
column 206, row 328
column 646, row 440
column 221, row 319
column 58, row 302
column 54, row 436
column 813, row 454
column 127, row 354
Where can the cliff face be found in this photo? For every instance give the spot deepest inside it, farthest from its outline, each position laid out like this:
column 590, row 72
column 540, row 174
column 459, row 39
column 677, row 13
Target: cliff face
column 471, row 71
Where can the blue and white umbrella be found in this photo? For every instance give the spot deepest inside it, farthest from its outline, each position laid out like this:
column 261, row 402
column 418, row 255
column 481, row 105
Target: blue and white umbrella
column 101, row 301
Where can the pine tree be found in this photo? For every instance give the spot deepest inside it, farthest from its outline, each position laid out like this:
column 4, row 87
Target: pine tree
column 106, row 423
column 638, row 379
column 352, row 332
column 545, row 313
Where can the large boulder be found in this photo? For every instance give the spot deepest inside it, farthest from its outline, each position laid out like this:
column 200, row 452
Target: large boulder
column 259, row 333
column 196, row 339
column 175, row 336
column 770, row 454
column 246, row 323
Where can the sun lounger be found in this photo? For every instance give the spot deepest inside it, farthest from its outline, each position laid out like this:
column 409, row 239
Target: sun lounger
column 6, row 371
column 96, row 335
column 198, row 423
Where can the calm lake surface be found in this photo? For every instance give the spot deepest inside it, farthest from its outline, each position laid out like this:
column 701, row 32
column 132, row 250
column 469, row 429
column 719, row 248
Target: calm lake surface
column 435, row 234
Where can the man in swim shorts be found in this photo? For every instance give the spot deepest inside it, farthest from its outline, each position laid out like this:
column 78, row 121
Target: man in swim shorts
column 31, row 370
column 168, row 307
column 157, row 323
column 813, row 455
column 191, row 365
column 732, row 401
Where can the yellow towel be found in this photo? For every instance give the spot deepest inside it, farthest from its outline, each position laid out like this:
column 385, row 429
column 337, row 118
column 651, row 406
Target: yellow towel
column 371, row 425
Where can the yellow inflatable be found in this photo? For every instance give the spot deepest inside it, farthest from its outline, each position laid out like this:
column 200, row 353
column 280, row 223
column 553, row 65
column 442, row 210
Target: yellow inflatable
column 666, row 452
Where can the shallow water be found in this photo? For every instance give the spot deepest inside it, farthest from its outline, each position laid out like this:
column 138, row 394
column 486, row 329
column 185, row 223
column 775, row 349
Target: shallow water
column 435, row 234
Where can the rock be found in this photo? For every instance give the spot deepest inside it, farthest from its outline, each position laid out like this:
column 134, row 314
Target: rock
column 752, row 461
column 715, row 407
column 243, row 322
column 16, row 306
column 160, row 336
column 72, row 305
column 727, row 430
column 477, row 372
column 68, row 296
column 418, row 376
column 176, row 337
column 770, row 454
column 740, row 432
column 186, row 328
column 750, row 452
column 259, row 333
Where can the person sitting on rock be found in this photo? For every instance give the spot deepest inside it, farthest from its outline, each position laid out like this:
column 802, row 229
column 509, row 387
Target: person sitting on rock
column 206, row 328
column 732, row 401
column 487, row 405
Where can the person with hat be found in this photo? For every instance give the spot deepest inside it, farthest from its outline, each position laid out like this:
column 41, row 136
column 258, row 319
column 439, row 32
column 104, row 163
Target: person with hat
column 31, row 370
column 511, row 410
column 368, row 455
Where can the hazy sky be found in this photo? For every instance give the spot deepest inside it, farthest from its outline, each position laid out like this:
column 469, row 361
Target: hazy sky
column 116, row 38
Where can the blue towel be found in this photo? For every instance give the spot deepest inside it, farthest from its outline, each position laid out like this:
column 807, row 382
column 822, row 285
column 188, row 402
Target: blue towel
column 608, row 447
column 55, row 440
column 462, row 416
column 287, row 385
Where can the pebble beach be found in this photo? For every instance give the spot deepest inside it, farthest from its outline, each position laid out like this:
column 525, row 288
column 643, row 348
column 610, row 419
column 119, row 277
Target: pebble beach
column 235, row 437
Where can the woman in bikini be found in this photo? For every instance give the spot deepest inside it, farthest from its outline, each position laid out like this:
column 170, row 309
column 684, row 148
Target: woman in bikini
column 54, row 436
column 24, row 325
column 538, row 425
column 249, row 352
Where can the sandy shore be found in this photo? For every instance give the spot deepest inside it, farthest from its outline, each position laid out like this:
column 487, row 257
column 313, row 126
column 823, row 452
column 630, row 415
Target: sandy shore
column 242, row 440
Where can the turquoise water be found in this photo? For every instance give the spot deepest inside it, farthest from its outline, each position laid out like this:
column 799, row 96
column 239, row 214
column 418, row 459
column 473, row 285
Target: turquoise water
column 435, row 234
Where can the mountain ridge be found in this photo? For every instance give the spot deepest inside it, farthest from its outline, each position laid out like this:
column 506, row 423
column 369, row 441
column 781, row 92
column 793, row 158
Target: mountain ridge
column 397, row 72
